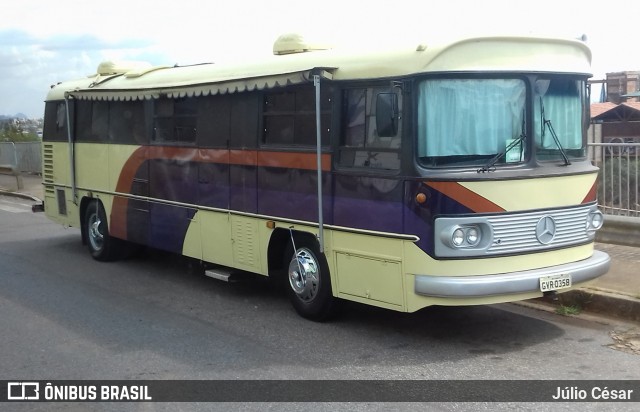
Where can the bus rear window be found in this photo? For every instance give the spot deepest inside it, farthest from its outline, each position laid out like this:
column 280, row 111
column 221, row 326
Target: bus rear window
column 55, row 122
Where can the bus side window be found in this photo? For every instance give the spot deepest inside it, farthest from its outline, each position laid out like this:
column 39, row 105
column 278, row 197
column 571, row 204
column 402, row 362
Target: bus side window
column 245, row 116
column 61, row 117
column 55, row 123
column 387, row 114
column 289, row 117
column 279, row 117
column 214, row 121
column 354, row 113
column 360, row 144
column 127, row 122
column 84, row 116
column 92, row 118
column 175, row 120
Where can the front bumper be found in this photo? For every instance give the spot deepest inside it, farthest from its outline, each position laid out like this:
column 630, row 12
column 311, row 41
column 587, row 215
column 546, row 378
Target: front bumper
column 509, row 283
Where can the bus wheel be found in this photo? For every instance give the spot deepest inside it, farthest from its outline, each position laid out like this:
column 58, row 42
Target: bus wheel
column 101, row 246
column 309, row 282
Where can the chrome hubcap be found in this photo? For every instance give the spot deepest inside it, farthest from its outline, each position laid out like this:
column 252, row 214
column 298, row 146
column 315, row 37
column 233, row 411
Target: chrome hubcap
column 96, row 237
column 304, row 275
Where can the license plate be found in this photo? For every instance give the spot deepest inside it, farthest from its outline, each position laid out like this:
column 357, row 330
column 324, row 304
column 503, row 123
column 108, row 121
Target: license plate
column 555, row 282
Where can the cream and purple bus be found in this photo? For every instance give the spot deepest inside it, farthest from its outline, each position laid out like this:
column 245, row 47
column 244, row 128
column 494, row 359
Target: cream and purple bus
column 443, row 173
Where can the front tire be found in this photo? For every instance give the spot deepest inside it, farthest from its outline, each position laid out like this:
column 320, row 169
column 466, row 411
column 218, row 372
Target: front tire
column 101, row 245
column 309, row 282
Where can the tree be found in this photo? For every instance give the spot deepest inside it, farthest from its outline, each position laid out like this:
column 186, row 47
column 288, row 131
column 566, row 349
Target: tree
column 14, row 132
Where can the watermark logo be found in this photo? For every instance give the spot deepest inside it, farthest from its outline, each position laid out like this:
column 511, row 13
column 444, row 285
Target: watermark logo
column 23, row 391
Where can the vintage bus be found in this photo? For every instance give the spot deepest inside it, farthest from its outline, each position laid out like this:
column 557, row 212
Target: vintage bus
column 443, row 173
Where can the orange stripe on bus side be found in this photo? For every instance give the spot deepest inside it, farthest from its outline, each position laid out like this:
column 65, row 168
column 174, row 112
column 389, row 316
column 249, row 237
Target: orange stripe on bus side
column 288, row 160
column 293, row 160
column 466, row 197
column 592, row 194
column 243, row 157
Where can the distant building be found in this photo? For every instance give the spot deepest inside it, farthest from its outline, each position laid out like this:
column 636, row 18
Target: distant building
column 617, row 118
column 623, row 87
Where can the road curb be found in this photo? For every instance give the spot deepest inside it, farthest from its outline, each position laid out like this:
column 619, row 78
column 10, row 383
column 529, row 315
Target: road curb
column 20, row 195
column 598, row 301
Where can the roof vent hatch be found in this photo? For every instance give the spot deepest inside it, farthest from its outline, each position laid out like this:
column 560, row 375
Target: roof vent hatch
column 292, row 43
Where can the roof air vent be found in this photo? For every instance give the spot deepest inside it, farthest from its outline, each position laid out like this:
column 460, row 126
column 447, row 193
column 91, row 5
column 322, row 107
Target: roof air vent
column 109, row 67
column 294, row 43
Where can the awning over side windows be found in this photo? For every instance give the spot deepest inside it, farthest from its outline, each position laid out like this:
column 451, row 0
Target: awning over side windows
column 113, row 88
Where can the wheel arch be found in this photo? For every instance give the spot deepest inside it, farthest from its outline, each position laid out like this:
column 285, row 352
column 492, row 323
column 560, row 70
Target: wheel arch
column 310, row 287
column 279, row 241
column 84, row 204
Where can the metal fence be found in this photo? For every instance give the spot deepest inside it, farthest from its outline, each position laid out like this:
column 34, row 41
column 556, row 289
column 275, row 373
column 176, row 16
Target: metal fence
column 619, row 163
column 27, row 156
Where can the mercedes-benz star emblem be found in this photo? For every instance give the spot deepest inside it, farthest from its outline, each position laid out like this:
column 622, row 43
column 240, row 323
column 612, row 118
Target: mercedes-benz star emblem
column 546, row 230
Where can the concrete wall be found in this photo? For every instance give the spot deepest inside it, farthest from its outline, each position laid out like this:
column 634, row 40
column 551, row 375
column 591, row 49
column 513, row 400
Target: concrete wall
column 620, row 230
column 27, row 156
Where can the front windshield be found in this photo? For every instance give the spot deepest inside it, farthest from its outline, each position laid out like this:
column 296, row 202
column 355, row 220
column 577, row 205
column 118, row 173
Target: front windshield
column 558, row 107
column 468, row 122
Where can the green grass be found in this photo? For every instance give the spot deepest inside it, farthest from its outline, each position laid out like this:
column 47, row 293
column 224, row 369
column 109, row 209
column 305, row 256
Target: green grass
column 570, row 310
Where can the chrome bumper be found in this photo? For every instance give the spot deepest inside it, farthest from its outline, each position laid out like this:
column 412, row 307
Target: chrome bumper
column 509, row 283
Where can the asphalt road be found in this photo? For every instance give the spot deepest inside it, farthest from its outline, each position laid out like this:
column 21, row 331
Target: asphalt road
column 66, row 316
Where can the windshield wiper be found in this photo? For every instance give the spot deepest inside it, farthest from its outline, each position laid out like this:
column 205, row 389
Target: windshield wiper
column 514, row 143
column 546, row 123
column 488, row 167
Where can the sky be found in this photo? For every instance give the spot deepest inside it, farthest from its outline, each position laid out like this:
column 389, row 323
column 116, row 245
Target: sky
column 44, row 42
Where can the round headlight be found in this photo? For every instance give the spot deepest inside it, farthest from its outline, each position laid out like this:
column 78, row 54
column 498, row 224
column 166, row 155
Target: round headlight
column 596, row 220
column 458, row 237
column 473, row 236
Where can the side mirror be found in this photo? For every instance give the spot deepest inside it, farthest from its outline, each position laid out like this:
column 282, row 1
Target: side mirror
column 387, row 114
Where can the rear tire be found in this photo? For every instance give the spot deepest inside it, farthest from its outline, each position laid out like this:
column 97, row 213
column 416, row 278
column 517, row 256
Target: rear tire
column 101, row 245
column 309, row 282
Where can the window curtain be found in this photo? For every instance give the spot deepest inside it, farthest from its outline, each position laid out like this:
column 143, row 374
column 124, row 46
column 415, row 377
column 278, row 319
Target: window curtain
column 469, row 116
column 563, row 107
